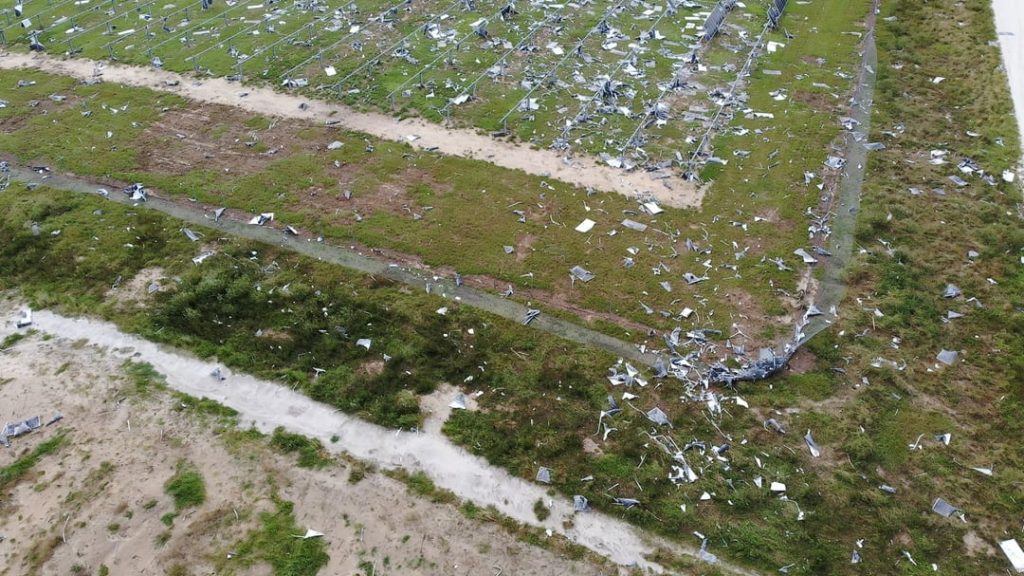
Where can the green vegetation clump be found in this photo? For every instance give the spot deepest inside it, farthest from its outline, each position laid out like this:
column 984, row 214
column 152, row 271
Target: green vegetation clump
column 275, row 543
column 311, row 452
column 186, row 486
column 420, row 484
column 14, row 471
column 542, row 395
column 12, row 339
column 205, row 406
column 541, row 510
column 144, row 377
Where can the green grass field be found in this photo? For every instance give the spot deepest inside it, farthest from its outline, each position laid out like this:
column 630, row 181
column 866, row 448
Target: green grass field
column 542, row 396
column 265, row 45
column 456, row 214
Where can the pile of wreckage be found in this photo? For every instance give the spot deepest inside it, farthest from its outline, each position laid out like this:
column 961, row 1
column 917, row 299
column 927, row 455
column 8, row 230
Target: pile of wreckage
column 22, row 427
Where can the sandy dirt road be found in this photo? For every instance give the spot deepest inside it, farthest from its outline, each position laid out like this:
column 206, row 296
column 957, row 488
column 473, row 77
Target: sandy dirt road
column 266, row 405
column 120, row 453
column 580, row 171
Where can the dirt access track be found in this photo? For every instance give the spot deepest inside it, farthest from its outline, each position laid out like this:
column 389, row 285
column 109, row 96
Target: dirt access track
column 265, row 406
column 668, row 189
column 98, row 500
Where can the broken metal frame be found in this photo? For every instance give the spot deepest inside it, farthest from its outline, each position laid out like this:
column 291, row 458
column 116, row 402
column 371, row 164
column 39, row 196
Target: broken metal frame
column 379, row 18
column 418, row 28
column 471, row 87
column 585, row 108
column 221, row 43
column 724, row 7
column 184, row 33
column 50, row 8
column 263, row 51
column 270, row 50
column 79, row 33
column 614, row 10
column 418, row 76
column 164, row 17
column 730, row 101
column 337, row 86
column 775, row 12
column 716, row 18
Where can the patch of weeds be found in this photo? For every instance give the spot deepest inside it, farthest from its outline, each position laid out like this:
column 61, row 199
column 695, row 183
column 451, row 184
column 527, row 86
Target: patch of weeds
column 92, row 485
column 274, row 543
column 540, row 510
column 356, row 473
column 420, row 484
column 311, row 452
column 168, row 519
column 186, row 487
column 150, row 504
column 178, row 570
column 236, row 439
column 144, row 378
column 470, row 510
column 42, row 551
column 12, row 339
column 162, row 538
column 204, row 406
column 13, row 472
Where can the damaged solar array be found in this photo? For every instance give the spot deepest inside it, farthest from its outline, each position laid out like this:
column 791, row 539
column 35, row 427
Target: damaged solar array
column 346, row 48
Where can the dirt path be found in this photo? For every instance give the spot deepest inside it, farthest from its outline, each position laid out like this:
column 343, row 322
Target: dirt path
column 139, row 441
column 266, row 405
column 465, row 143
column 360, row 262
column 1009, row 16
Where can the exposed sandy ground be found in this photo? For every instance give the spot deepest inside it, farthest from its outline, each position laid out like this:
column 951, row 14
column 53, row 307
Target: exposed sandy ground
column 1010, row 28
column 364, row 521
column 266, row 405
column 465, row 143
column 437, row 406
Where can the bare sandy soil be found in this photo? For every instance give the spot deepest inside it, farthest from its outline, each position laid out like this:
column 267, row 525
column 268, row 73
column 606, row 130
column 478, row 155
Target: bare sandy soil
column 87, row 504
column 464, row 143
column 266, row 405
